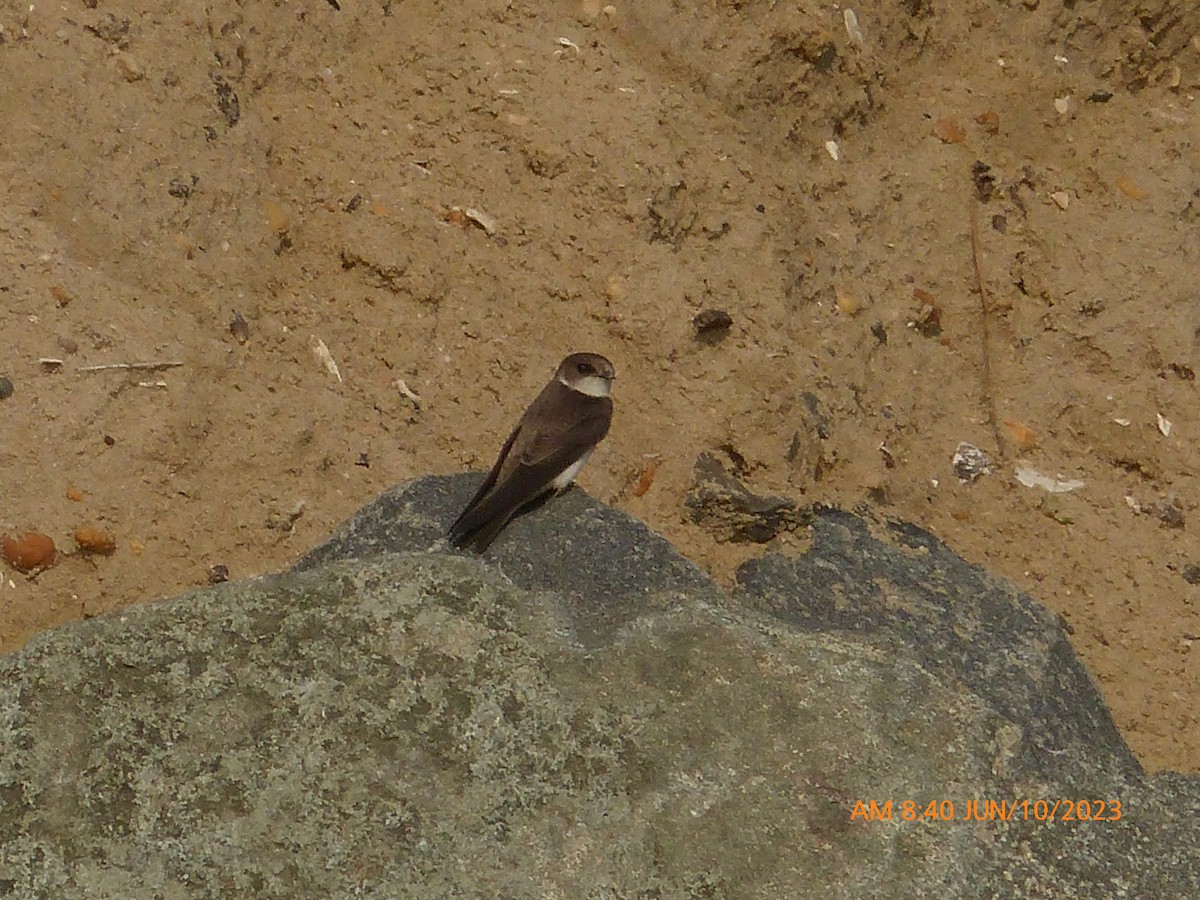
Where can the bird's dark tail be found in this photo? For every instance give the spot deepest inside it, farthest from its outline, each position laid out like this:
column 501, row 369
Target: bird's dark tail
column 475, row 532
column 478, row 538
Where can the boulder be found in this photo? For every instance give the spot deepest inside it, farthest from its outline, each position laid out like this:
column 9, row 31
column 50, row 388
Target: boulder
column 579, row 713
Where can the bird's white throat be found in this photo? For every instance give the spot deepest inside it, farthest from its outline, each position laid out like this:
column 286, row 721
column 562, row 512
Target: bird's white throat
column 591, row 385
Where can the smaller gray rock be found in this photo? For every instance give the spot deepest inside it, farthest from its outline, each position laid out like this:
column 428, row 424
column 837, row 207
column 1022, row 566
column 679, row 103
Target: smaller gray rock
column 720, row 503
column 712, row 323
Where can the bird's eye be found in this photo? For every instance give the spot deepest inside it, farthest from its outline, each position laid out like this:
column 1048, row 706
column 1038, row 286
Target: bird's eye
column 584, row 368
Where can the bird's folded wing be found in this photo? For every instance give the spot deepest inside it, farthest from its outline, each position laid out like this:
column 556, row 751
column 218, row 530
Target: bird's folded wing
column 523, row 477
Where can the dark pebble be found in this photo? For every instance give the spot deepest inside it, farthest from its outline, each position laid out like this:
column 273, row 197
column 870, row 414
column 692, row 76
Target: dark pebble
column 712, row 320
column 6, row 388
column 239, row 328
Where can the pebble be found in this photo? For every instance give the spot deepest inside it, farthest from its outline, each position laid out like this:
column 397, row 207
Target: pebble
column 30, row 551
column 95, row 540
column 712, row 320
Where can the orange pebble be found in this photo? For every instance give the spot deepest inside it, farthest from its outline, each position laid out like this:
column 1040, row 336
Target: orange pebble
column 646, row 479
column 95, row 540
column 74, row 493
column 32, row 550
column 1131, row 188
column 989, row 120
column 1021, row 434
column 948, row 131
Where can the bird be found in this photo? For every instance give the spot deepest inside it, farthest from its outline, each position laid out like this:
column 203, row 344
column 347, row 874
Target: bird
column 544, row 453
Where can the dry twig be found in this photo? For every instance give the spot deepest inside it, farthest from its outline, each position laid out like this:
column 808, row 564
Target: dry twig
column 985, row 309
column 145, row 367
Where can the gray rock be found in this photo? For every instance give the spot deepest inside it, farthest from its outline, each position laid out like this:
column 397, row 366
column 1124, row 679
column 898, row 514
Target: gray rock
column 960, row 622
column 421, row 725
column 599, row 566
column 723, row 505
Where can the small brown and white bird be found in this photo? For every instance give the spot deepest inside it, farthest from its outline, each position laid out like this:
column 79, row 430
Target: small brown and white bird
column 545, row 451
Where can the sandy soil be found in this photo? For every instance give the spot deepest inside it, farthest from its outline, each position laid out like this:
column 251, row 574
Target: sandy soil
column 166, row 165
